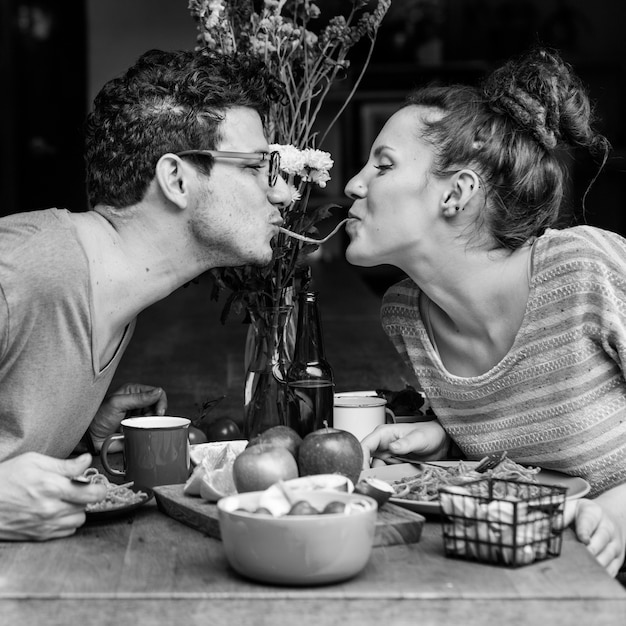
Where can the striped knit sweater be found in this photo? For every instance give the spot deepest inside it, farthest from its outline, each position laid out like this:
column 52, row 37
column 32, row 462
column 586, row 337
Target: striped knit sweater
column 558, row 398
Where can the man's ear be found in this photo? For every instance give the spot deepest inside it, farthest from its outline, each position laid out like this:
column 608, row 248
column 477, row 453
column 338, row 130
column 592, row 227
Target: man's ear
column 464, row 185
column 172, row 176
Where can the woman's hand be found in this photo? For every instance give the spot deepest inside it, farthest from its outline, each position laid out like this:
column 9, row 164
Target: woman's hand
column 601, row 525
column 426, row 440
column 37, row 499
column 131, row 399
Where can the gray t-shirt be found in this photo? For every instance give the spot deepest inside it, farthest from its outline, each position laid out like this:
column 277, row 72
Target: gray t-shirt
column 51, row 384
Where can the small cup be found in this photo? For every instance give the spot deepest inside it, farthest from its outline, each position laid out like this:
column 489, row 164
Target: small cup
column 156, row 451
column 360, row 415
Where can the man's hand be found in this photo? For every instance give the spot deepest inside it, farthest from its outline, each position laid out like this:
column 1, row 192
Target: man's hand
column 427, row 440
column 132, row 399
column 37, row 499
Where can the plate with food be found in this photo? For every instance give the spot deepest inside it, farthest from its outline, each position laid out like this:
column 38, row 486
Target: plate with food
column 119, row 500
column 416, row 487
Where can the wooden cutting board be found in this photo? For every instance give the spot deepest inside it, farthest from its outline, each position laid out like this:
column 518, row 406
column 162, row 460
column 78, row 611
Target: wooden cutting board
column 394, row 524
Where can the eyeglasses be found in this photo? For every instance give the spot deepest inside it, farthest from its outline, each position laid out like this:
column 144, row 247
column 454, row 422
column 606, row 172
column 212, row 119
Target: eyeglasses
column 272, row 157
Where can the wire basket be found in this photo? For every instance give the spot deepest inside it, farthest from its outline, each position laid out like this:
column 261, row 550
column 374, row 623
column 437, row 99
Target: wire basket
column 501, row 521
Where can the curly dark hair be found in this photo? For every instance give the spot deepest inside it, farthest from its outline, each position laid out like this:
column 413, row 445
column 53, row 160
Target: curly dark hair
column 512, row 131
column 166, row 102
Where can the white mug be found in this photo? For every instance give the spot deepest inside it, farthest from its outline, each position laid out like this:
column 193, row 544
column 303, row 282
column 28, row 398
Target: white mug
column 360, row 415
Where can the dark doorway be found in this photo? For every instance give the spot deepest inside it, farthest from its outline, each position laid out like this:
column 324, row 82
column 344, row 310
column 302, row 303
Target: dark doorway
column 43, row 71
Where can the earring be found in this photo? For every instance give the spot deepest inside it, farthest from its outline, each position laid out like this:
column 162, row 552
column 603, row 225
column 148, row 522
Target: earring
column 456, row 208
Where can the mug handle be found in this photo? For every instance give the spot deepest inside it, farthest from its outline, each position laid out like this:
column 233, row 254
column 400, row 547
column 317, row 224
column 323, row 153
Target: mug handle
column 390, row 416
column 104, row 451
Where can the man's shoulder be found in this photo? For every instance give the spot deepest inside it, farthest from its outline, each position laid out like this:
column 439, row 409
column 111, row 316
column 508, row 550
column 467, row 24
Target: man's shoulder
column 39, row 246
column 22, row 227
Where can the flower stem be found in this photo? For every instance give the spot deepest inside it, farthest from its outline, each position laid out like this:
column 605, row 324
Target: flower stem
column 352, row 91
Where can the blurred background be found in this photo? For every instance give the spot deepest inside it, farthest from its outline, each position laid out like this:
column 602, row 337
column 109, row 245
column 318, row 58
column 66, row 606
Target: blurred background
column 55, row 55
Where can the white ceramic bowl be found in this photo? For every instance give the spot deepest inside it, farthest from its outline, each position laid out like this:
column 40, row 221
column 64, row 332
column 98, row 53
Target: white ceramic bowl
column 297, row 549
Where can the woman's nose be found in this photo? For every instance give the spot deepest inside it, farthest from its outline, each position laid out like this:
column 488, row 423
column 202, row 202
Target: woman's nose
column 279, row 194
column 355, row 187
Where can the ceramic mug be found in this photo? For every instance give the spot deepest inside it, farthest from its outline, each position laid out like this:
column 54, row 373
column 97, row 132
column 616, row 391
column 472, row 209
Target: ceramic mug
column 156, row 451
column 360, row 415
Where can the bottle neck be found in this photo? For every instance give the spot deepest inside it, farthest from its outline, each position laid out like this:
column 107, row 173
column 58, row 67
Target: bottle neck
column 309, row 342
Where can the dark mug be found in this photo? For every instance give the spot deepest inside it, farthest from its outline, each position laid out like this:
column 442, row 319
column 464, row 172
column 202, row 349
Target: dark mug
column 156, row 451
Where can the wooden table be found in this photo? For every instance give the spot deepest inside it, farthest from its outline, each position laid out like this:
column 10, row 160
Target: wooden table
column 151, row 569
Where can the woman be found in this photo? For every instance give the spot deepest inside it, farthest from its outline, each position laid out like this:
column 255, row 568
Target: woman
column 515, row 330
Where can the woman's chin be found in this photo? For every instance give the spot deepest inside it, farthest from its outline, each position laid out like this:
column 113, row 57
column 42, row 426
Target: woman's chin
column 355, row 257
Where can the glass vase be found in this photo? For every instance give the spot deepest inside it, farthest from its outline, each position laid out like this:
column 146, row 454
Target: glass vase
column 269, row 347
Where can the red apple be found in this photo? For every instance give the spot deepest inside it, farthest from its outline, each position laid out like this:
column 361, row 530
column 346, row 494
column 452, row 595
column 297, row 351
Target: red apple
column 221, row 429
column 260, row 466
column 331, row 451
column 281, row 436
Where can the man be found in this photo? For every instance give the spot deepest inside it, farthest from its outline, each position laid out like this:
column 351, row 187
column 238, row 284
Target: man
column 180, row 181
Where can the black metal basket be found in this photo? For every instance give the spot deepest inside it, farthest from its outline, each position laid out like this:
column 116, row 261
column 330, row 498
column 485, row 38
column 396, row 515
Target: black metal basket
column 502, row 521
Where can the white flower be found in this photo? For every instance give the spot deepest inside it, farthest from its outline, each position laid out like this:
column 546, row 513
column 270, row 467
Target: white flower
column 309, row 164
column 319, row 177
column 316, row 166
column 274, row 6
column 216, row 7
column 291, row 159
column 317, row 159
column 295, row 195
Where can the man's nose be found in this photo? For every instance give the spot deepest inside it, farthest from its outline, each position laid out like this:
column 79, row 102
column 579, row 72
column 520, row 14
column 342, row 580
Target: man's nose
column 279, row 194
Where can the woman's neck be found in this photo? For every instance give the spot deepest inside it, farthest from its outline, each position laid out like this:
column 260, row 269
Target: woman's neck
column 474, row 315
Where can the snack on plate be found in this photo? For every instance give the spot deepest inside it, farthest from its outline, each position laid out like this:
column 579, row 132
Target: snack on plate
column 117, row 496
column 425, row 486
column 212, row 476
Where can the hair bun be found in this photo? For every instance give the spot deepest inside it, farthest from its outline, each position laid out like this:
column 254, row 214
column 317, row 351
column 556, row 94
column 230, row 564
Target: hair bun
column 533, row 90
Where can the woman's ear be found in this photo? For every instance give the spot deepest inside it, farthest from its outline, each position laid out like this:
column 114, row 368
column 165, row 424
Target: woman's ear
column 468, row 184
column 173, row 179
column 464, row 186
column 450, row 202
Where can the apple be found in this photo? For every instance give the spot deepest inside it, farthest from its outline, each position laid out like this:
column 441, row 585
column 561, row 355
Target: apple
column 334, row 507
column 196, row 435
column 221, row 429
column 302, row 507
column 260, row 466
column 281, row 436
column 331, row 451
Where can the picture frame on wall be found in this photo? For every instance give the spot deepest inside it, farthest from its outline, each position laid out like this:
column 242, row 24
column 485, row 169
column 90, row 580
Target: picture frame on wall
column 371, row 119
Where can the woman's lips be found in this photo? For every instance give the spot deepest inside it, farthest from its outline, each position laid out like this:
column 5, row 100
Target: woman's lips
column 352, row 224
